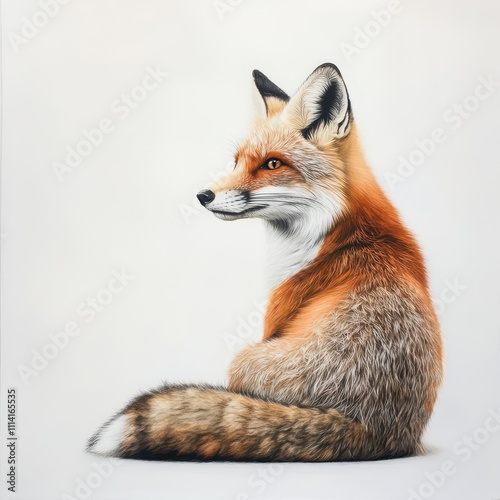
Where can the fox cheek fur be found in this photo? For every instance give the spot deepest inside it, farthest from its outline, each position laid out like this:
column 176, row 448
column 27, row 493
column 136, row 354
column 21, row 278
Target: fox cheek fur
column 351, row 358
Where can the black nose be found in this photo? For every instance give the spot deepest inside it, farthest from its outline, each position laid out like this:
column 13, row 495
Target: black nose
column 205, row 196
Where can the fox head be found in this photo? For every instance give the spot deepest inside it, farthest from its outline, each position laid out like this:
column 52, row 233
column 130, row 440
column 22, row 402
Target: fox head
column 290, row 169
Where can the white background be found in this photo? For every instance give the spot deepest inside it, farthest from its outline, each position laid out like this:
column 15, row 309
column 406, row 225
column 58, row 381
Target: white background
column 196, row 278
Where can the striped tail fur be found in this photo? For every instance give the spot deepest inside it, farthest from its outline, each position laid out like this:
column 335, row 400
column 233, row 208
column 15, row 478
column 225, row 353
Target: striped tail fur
column 210, row 423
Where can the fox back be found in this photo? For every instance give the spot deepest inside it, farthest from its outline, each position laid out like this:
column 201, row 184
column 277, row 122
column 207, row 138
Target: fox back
column 351, row 359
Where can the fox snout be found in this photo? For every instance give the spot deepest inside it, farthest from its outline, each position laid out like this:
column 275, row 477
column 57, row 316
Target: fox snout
column 230, row 204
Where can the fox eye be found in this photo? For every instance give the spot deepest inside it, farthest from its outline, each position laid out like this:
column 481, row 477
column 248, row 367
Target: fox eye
column 272, row 164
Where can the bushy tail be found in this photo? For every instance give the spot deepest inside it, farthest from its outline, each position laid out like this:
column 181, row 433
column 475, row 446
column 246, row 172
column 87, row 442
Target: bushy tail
column 208, row 423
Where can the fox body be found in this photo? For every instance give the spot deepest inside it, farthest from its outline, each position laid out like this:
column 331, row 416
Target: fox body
column 350, row 362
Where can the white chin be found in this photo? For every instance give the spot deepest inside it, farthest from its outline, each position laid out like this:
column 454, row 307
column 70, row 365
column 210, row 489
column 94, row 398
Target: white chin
column 248, row 213
column 227, row 216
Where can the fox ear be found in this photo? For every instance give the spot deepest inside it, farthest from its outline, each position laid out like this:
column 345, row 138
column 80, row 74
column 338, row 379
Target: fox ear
column 274, row 98
column 321, row 109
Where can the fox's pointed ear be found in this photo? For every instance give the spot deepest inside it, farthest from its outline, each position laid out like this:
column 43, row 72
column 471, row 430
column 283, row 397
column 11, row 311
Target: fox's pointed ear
column 321, row 109
column 274, row 98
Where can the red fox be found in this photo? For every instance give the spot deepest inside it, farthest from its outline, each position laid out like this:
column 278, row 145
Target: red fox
column 351, row 358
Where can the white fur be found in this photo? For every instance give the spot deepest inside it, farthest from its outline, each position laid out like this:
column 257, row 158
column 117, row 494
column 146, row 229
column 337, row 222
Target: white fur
column 288, row 255
column 292, row 251
column 110, row 437
column 309, row 216
column 230, row 201
column 304, row 106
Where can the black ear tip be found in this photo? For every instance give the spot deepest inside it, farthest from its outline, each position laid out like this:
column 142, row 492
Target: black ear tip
column 328, row 65
column 257, row 75
column 267, row 88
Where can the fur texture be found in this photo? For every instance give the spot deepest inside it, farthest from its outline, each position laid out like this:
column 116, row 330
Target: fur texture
column 351, row 359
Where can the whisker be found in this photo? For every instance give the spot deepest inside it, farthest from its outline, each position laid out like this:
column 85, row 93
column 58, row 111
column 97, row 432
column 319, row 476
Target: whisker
column 298, row 200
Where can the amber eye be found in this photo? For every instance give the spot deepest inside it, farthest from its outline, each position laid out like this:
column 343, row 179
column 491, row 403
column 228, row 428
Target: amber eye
column 272, row 164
